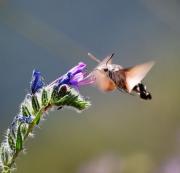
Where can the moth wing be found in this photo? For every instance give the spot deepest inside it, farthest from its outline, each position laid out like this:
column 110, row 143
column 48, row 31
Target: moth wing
column 136, row 74
column 103, row 82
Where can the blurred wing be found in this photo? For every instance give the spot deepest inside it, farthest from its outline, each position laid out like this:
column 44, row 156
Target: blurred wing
column 103, row 82
column 136, row 74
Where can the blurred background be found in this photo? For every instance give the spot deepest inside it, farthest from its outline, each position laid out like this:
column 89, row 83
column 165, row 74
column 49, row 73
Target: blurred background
column 119, row 133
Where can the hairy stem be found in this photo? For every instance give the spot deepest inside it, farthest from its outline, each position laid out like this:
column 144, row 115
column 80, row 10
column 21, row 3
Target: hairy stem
column 31, row 111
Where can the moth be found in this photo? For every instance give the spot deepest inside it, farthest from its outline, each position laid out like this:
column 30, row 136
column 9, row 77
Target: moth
column 109, row 77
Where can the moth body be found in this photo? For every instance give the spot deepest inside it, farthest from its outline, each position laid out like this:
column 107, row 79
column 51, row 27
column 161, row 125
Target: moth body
column 110, row 77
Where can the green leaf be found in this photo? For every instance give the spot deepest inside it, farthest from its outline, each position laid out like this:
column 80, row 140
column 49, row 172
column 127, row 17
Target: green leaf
column 37, row 119
column 19, row 140
column 11, row 142
column 35, row 104
column 54, row 95
column 25, row 111
column 5, row 157
column 73, row 99
column 24, row 129
column 44, row 98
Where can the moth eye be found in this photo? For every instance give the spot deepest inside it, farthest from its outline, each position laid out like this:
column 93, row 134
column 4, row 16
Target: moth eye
column 105, row 69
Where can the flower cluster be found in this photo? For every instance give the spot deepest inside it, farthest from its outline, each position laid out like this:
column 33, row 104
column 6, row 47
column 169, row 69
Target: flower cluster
column 75, row 77
column 61, row 92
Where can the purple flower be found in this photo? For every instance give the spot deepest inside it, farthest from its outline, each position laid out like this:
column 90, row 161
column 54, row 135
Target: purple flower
column 22, row 119
column 75, row 77
column 36, row 82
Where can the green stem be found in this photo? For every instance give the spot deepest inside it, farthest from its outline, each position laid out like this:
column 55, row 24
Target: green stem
column 15, row 139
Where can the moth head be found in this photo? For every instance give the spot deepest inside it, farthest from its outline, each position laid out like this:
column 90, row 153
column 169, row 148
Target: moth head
column 105, row 64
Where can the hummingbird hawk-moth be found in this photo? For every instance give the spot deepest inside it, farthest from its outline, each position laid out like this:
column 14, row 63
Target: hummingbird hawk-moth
column 109, row 77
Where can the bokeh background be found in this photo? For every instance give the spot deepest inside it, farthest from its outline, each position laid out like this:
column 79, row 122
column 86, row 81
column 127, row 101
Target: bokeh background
column 118, row 133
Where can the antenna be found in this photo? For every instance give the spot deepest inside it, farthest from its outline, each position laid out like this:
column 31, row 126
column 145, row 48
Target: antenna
column 110, row 58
